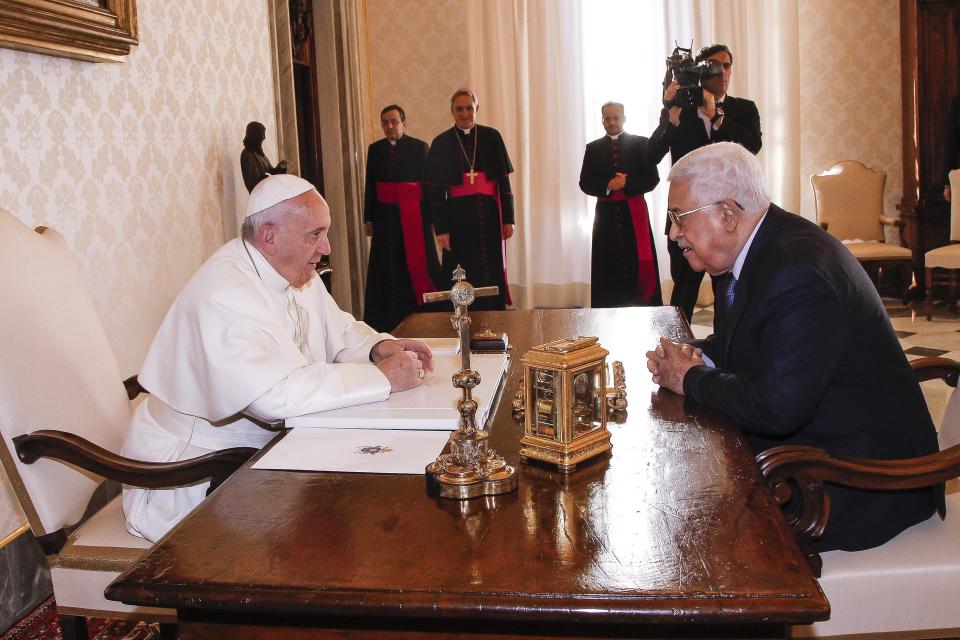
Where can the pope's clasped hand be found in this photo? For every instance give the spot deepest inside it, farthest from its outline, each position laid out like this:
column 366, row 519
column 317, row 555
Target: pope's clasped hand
column 404, row 362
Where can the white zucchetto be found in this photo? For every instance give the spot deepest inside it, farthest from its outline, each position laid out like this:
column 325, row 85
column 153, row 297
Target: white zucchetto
column 274, row 189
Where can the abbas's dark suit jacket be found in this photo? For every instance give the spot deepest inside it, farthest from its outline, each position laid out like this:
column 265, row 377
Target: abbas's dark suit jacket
column 807, row 355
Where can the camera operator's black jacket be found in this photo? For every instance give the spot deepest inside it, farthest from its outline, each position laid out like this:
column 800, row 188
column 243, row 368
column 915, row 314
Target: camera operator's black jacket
column 741, row 124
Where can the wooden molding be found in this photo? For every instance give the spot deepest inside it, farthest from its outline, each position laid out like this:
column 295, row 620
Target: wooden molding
column 100, row 31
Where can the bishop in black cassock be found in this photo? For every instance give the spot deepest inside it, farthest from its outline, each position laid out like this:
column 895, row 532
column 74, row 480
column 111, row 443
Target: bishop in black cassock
column 618, row 169
column 467, row 180
column 403, row 256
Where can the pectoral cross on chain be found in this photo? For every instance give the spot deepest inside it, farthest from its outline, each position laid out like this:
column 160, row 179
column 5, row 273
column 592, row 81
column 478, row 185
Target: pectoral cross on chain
column 472, row 174
column 462, row 295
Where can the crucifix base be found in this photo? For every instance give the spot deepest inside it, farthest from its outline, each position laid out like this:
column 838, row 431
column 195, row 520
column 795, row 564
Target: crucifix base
column 471, row 469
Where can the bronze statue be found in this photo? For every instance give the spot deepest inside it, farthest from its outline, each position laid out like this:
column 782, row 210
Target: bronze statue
column 254, row 163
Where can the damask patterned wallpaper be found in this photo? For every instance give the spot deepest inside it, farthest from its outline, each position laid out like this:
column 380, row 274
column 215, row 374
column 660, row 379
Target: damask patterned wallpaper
column 417, row 60
column 137, row 163
column 850, row 100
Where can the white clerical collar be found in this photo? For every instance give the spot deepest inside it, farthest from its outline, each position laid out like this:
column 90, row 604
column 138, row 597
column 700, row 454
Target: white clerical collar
column 270, row 276
column 393, row 143
column 465, row 132
column 616, row 136
column 738, row 265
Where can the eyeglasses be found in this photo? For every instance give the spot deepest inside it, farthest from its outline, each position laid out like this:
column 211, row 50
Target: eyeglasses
column 675, row 217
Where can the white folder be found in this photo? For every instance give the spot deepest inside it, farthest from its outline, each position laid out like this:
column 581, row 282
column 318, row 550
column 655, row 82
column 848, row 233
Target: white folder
column 430, row 406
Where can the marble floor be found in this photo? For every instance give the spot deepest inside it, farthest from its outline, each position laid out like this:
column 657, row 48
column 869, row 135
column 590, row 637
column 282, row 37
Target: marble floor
column 918, row 336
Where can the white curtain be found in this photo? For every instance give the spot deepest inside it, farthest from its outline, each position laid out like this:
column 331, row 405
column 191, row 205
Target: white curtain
column 543, row 68
column 524, row 58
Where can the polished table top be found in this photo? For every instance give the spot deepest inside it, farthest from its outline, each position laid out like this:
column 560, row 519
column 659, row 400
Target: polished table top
column 673, row 526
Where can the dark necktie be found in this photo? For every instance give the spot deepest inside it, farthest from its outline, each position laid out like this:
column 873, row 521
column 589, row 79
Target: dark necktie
column 724, row 301
column 731, row 291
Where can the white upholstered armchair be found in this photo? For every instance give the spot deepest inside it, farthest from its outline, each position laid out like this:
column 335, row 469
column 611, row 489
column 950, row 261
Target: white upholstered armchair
column 849, row 201
column 57, row 371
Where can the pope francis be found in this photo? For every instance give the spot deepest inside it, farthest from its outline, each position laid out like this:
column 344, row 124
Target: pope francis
column 255, row 337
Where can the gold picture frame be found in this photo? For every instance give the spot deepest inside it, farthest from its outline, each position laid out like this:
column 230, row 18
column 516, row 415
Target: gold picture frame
column 91, row 30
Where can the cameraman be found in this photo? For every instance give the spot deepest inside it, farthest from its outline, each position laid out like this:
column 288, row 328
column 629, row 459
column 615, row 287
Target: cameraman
column 721, row 118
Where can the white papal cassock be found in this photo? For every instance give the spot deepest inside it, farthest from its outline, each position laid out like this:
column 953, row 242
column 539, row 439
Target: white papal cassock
column 240, row 338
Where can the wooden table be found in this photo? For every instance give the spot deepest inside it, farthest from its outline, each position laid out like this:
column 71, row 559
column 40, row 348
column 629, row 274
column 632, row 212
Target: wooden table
column 672, row 534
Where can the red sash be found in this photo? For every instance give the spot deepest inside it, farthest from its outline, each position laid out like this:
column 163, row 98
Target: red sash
column 482, row 186
column 408, row 196
column 646, row 273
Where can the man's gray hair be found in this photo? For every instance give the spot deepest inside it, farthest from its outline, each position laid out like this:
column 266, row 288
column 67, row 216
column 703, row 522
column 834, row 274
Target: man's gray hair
column 723, row 171
column 611, row 103
column 252, row 223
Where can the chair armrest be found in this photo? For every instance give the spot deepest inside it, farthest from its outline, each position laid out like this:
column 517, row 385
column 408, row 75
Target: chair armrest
column 133, row 387
column 892, row 221
column 325, row 271
column 277, row 425
column 796, row 473
column 82, row 453
column 893, row 227
column 932, row 368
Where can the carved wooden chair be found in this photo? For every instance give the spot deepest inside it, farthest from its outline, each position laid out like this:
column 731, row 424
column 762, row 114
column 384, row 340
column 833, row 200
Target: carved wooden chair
column 906, row 586
column 942, row 265
column 325, row 271
column 849, row 201
column 57, row 370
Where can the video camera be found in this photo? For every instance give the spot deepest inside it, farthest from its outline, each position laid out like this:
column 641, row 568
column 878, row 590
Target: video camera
column 689, row 74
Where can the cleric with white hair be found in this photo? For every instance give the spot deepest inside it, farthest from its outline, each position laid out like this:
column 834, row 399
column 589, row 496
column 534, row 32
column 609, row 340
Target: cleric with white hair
column 802, row 350
column 255, row 337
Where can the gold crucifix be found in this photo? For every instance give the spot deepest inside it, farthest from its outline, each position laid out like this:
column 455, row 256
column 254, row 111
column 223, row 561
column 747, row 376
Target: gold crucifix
column 472, row 174
column 471, row 468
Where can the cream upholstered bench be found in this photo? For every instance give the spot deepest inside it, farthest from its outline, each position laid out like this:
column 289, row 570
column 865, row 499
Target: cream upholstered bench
column 908, row 587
